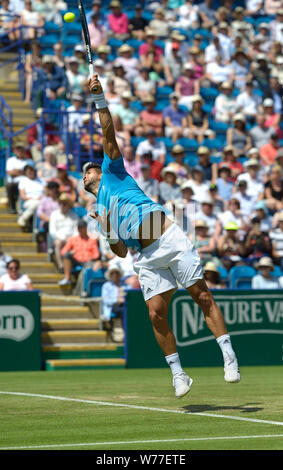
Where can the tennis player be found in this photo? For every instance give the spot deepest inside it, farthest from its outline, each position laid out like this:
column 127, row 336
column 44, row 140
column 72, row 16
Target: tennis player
column 128, row 218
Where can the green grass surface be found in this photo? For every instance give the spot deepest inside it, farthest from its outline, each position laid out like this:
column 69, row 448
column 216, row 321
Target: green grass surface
column 35, row 422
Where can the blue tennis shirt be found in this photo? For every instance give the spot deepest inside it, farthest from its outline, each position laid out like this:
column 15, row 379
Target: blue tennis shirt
column 128, row 205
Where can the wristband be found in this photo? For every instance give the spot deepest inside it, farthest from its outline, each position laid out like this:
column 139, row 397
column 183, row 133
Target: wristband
column 112, row 241
column 100, row 101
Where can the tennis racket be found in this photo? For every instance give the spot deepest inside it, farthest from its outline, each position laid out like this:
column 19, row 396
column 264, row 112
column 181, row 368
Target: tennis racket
column 86, row 38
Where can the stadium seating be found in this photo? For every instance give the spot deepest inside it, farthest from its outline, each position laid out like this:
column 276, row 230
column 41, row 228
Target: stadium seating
column 240, row 277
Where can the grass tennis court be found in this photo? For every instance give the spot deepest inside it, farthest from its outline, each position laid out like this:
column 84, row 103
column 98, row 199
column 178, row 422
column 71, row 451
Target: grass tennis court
column 137, row 410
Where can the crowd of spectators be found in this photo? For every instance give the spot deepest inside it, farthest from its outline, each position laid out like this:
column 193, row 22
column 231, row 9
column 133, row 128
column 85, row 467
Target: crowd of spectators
column 178, row 76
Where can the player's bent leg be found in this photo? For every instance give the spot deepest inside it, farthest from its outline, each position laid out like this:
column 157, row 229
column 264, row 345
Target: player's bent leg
column 215, row 322
column 158, row 312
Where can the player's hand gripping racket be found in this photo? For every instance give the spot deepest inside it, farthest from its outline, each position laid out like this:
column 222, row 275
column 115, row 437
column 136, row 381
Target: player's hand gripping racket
column 86, row 38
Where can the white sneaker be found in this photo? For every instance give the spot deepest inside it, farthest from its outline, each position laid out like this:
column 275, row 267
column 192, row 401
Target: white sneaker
column 231, row 370
column 182, row 384
column 64, row 282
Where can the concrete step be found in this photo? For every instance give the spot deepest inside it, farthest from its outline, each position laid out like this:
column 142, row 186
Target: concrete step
column 17, row 236
column 12, row 95
column 75, row 324
column 73, row 336
column 45, row 277
column 66, row 312
column 83, row 347
column 8, row 218
column 52, row 288
column 57, row 364
column 11, row 226
column 17, row 249
column 59, row 299
column 30, row 257
column 35, row 267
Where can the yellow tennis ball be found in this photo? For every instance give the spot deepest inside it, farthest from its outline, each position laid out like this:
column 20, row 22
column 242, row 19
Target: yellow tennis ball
column 69, row 17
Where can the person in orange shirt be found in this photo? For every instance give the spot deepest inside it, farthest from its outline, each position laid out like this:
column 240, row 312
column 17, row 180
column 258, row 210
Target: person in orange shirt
column 268, row 152
column 78, row 251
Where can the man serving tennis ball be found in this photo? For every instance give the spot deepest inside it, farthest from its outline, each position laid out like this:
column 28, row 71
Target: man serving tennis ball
column 128, row 218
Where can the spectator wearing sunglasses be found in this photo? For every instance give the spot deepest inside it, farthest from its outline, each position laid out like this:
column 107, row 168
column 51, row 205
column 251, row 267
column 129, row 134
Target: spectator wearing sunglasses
column 13, row 280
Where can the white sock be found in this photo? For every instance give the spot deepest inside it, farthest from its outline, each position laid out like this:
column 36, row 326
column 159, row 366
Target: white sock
column 225, row 345
column 174, row 362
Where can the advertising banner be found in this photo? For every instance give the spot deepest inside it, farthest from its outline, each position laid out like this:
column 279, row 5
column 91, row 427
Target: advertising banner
column 254, row 320
column 20, row 342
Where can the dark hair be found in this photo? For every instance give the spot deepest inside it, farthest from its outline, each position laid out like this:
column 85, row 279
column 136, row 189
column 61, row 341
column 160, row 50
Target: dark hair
column 52, row 185
column 82, row 223
column 89, row 165
column 14, row 260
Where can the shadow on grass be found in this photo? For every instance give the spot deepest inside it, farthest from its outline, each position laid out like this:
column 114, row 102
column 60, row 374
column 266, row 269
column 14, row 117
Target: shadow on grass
column 247, row 408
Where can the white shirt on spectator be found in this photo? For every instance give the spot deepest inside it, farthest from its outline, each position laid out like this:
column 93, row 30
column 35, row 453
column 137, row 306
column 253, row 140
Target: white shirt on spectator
column 254, row 186
column 157, row 149
column 14, row 163
column 63, row 226
column 219, row 73
column 33, row 187
column 248, row 104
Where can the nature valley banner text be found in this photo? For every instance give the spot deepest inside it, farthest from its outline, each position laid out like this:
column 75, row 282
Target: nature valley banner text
column 20, row 343
column 254, row 320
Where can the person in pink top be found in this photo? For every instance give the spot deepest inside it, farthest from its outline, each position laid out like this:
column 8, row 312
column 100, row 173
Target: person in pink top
column 14, row 280
column 97, row 32
column 118, row 21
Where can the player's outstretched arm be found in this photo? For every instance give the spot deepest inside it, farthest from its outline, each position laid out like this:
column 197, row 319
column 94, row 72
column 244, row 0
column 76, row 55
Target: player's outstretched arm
column 110, row 145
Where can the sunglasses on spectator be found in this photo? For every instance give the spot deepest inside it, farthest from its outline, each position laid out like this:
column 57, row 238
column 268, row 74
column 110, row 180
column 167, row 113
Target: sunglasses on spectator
column 13, row 268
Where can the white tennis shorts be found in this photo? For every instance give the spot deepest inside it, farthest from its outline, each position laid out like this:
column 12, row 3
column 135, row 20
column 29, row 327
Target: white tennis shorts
column 167, row 263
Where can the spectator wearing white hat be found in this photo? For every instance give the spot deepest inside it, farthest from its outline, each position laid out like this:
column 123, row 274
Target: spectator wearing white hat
column 206, row 212
column 212, row 276
column 255, row 186
column 150, row 144
column 75, row 112
column 75, row 78
column 169, row 189
column 272, row 118
column 113, row 294
column 264, row 278
column 99, row 66
column 130, row 63
column 225, row 103
column 128, row 115
column 247, row 102
column 238, row 135
column 187, row 85
column 159, row 24
column 198, row 122
column 183, row 170
column 198, row 183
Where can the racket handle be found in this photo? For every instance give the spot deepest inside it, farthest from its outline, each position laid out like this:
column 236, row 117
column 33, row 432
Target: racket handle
column 91, row 73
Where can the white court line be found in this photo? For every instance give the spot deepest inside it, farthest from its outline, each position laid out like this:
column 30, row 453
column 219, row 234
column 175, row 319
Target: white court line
column 146, row 408
column 151, row 441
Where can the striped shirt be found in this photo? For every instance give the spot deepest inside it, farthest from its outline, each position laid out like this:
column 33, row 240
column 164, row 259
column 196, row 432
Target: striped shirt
column 276, row 237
